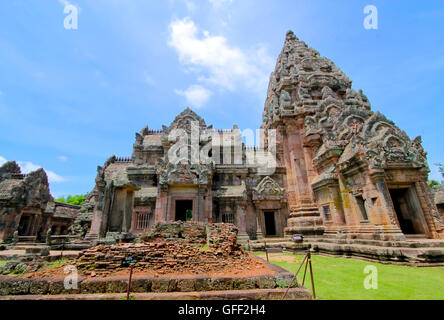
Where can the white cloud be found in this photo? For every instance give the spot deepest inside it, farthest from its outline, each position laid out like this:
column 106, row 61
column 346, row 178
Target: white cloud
column 196, row 95
column 63, row 158
column 2, row 161
column 28, row 167
column 217, row 62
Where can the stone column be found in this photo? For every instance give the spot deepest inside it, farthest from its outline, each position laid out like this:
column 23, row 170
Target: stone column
column 161, row 205
column 259, row 233
column 241, row 221
column 201, row 203
column 393, row 230
column 304, row 216
column 208, row 216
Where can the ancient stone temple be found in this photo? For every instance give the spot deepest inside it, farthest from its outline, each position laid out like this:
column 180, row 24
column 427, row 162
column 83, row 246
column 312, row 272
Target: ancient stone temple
column 438, row 193
column 350, row 171
column 339, row 169
column 224, row 184
column 27, row 208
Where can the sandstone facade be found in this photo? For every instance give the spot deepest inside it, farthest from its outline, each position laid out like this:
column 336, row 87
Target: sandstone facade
column 27, row 207
column 341, row 170
column 350, row 171
column 135, row 193
column 438, row 193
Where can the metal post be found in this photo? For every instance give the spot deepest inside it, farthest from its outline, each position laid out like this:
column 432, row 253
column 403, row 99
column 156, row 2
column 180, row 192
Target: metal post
column 129, row 282
column 305, row 272
column 295, row 277
column 311, row 273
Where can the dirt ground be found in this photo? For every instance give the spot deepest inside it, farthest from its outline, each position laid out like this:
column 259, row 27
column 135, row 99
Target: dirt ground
column 250, row 266
column 280, row 257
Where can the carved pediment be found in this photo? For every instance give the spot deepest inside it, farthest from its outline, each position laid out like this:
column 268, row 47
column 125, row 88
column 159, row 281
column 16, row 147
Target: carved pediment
column 268, row 189
column 184, row 120
column 183, row 173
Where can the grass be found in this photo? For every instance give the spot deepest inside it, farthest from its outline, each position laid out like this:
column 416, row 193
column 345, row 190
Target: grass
column 343, row 279
column 2, row 262
column 57, row 263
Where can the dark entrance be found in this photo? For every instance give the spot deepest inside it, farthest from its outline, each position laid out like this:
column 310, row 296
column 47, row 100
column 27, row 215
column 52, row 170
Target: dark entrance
column 270, row 224
column 184, row 210
column 409, row 211
column 24, row 225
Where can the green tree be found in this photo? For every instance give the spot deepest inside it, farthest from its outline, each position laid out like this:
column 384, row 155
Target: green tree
column 433, row 183
column 441, row 168
column 77, row 200
column 189, row 215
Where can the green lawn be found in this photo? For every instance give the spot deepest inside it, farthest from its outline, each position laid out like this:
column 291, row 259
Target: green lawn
column 343, row 279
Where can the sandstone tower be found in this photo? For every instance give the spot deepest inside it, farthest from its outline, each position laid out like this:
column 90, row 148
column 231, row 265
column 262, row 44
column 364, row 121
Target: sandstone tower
column 350, row 172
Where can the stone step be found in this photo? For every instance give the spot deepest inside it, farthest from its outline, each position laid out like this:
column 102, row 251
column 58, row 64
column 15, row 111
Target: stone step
column 406, row 255
column 254, row 294
column 409, row 243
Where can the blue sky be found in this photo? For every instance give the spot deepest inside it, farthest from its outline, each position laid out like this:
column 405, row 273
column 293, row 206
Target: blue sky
column 69, row 99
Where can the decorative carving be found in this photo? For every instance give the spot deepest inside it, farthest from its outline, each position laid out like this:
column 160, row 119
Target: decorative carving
column 268, row 189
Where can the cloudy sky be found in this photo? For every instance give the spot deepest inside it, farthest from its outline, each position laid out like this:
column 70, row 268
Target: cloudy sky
column 71, row 98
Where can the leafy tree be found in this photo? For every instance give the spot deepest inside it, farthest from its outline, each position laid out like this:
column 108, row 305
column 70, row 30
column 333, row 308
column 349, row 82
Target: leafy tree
column 77, row 200
column 189, row 215
column 433, row 183
column 441, row 168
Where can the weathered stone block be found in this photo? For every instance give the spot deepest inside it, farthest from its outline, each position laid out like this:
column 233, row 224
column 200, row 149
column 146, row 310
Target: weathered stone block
column 93, row 286
column 186, row 285
column 19, row 287
column 141, row 285
column 39, row 287
column 117, row 286
column 265, row 282
column 219, row 284
column 244, row 284
column 164, row 285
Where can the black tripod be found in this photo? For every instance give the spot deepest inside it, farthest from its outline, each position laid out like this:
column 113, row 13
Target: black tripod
column 307, row 261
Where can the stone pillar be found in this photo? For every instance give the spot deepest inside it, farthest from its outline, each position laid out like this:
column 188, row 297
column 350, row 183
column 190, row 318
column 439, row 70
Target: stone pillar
column 208, row 216
column 431, row 214
column 201, row 203
column 393, row 230
column 259, row 233
column 241, row 221
column 161, row 206
column 304, row 216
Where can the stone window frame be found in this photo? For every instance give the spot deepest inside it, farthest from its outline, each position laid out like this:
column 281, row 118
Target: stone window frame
column 326, row 211
column 362, row 208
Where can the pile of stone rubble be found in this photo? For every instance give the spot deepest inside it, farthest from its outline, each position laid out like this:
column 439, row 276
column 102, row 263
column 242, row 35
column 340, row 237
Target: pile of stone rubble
column 171, row 248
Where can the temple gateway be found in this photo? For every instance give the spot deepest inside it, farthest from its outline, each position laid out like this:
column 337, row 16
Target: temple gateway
column 340, row 170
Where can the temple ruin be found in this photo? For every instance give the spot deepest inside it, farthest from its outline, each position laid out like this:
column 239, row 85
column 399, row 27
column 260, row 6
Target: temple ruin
column 341, row 170
column 338, row 171
column 27, row 209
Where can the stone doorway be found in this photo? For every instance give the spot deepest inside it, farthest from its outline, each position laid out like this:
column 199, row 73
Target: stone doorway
column 270, row 223
column 409, row 211
column 24, row 225
column 184, row 210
